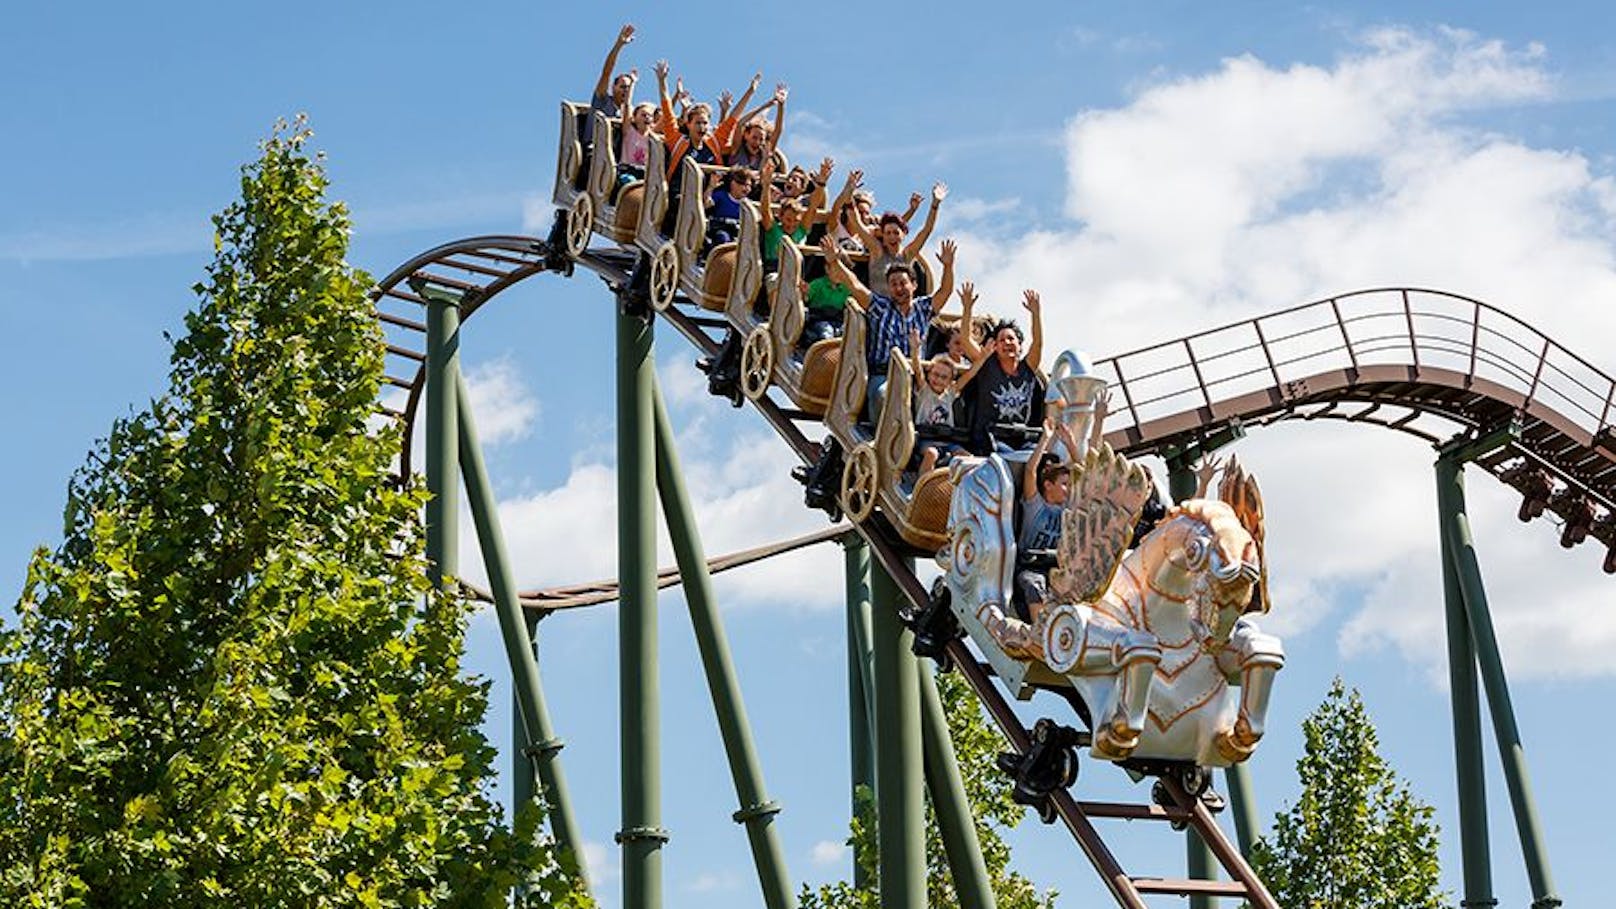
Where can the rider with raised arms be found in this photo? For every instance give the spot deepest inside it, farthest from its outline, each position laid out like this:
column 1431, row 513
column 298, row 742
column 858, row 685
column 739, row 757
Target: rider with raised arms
column 1003, row 388
column 892, row 316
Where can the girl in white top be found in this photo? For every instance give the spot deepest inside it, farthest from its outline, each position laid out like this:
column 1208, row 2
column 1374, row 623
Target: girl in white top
column 934, row 400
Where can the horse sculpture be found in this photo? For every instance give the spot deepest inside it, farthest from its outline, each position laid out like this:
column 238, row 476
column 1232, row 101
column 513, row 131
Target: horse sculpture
column 1153, row 639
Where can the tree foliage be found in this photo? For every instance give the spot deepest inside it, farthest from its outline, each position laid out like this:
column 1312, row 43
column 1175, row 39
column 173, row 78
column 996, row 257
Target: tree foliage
column 232, row 684
column 1357, row 836
column 987, row 789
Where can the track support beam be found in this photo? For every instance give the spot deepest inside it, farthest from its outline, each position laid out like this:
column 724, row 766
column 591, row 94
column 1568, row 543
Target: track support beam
column 442, row 424
column 757, row 811
column 642, row 835
column 954, row 820
column 539, row 748
column 860, row 694
column 1464, row 568
column 899, row 770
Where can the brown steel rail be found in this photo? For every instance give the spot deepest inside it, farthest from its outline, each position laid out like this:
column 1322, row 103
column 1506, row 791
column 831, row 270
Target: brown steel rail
column 1426, row 362
column 1296, row 377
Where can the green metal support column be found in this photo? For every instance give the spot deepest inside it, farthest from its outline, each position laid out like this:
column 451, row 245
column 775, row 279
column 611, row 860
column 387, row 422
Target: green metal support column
column 861, row 752
column 522, row 770
column 954, row 820
column 642, row 835
column 442, row 457
column 539, row 743
column 1469, row 771
column 1462, row 550
column 1198, row 860
column 1242, row 805
column 899, row 770
column 756, row 811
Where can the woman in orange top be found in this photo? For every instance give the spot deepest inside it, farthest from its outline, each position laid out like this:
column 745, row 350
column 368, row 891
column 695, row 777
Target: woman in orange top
column 692, row 132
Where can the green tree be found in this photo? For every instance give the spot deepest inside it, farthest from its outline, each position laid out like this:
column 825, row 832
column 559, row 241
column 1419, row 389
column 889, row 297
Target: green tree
column 987, row 789
column 232, row 684
column 1357, row 837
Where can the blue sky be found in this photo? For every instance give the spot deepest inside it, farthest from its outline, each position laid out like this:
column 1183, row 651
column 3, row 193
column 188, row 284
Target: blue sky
column 1289, row 152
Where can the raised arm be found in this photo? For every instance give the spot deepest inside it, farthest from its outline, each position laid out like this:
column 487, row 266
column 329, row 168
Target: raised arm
column 845, row 197
column 1102, row 406
column 939, row 192
column 751, row 89
column 726, row 103
column 766, row 195
column 914, row 205
column 1035, row 313
column 914, row 355
column 667, row 123
column 973, row 350
column 836, row 268
column 1205, row 474
column 861, row 230
column 780, row 93
column 1064, row 433
column 777, row 98
column 945, row 282
column 1029, row 475
column 604, row 85
column 816, row 198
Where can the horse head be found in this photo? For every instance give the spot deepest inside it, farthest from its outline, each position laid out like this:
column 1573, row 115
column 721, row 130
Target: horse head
column 1203, row 557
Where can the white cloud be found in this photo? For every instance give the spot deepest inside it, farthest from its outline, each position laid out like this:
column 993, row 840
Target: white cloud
column 600, row 863
column 1229, row 194
column 504, row 407
column 743, row 495
column 715, row 882
column 828, row 852
column 1090, row 38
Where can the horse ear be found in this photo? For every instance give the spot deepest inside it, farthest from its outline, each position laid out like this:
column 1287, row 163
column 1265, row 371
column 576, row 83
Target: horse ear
column 1240, row 492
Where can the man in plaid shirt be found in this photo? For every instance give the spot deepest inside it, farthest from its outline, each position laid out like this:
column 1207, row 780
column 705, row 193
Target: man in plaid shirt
column 893, row 315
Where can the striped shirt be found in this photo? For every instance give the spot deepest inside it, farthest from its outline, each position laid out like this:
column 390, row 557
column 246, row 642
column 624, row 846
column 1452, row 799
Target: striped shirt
column 890, row 328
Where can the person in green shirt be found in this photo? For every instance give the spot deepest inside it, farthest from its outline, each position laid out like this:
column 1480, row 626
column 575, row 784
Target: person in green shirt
column 794, row 218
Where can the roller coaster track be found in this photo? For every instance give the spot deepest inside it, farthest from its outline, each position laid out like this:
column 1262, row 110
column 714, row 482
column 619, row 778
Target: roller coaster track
column 1422, row 362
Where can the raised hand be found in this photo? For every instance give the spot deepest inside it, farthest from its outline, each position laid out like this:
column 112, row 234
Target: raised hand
column 780, row 92
column 946, row 254
column 967, row 294
column 855, row 177
column 726, row 98
column 625, row 35
column 914, row 341
column 827, row 245
column 679, row 93
column 825, row 168
column 1030, row 301
column 757, row 79
column 661, row 70
column 633, row 76
column 939, row 192
column 1209, row 467
column 914, row 200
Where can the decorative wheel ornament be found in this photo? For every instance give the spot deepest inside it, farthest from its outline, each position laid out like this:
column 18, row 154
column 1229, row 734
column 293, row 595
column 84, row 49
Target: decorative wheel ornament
column 664, row 276
column 757, row 363
column 1063, row 638
column 859, row 482
column 580, row 221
